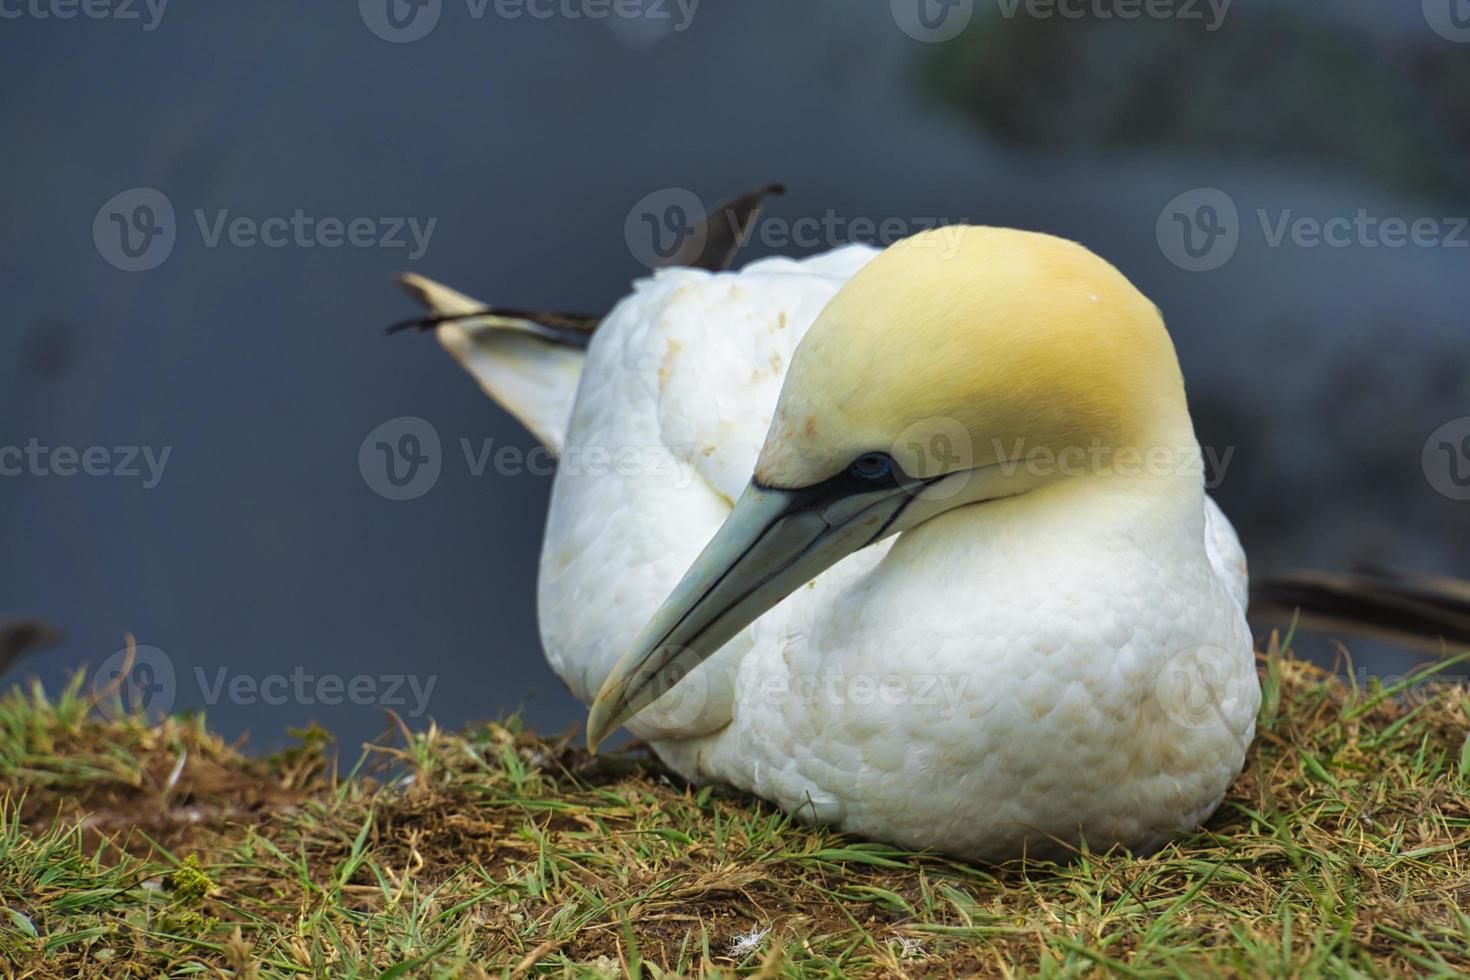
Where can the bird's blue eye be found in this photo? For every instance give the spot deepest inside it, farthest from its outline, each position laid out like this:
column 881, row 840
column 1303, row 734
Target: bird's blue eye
column 872, row 467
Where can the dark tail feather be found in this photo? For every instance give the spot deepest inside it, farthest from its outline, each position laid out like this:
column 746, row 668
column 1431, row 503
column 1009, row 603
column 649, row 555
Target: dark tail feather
column 725, row 230
column 1423, row 610
column 567, row 329
column 19, row 637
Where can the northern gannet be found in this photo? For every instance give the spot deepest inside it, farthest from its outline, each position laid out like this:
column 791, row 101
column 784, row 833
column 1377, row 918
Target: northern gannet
column 913, row 542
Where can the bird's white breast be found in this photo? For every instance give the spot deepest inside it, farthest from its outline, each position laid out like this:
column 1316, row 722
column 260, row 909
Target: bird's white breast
column 993, row 679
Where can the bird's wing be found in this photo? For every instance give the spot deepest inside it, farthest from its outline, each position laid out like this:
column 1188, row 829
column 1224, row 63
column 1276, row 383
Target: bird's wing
column 674, row 404
column 530, row 362
column 529, row 373
column 1426, row 611
column 722, row 232
column 1226, row 553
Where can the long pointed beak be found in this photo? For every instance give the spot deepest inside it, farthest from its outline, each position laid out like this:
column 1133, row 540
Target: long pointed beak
column 773, row 542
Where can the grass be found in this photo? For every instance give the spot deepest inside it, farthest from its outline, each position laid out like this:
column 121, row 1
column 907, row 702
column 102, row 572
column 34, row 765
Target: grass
column 136, row 850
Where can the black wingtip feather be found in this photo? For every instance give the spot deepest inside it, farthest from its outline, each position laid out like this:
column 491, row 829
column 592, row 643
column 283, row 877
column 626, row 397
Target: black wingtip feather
column 1424, row 610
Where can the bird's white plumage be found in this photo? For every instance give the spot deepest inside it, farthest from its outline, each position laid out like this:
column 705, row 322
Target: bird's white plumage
column 1074, row 663
column 1225, row 552
column 529, row 378
column 679, row 386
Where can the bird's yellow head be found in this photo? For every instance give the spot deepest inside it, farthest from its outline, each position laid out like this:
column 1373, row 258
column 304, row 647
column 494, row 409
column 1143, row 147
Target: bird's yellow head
column 963, row 346
column 931, row 381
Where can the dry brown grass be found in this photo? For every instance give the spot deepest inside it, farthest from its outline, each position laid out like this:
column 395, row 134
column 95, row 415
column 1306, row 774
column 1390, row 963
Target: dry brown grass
column 1341, row 849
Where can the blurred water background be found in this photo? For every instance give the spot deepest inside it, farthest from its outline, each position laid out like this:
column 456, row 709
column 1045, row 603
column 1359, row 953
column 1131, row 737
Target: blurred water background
column 262, row 550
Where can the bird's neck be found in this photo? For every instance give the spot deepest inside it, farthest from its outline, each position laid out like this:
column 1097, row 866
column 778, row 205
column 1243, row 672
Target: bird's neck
column 1077, row 501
